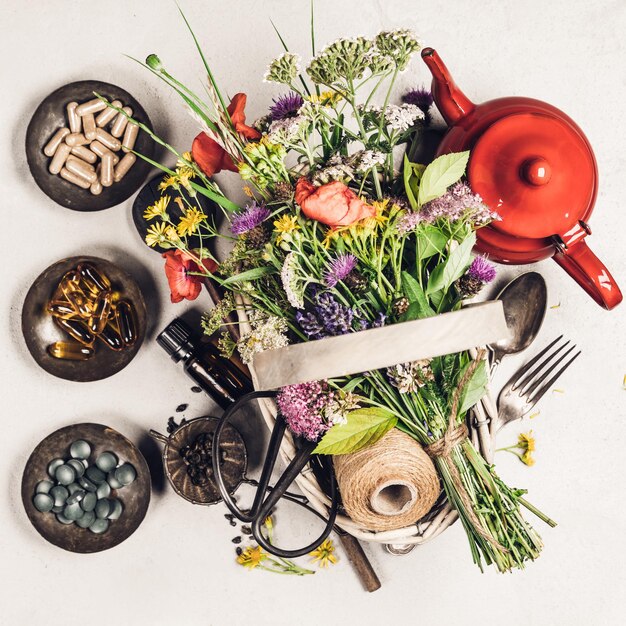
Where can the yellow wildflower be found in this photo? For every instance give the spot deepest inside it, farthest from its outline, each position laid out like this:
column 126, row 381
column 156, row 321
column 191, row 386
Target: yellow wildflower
column 326, row 98
column 269, row 522
column 248, row 191
column 159, row 234
column 158, row 209
column 324, row 554
column 526, row 441
column 285, row 225
column 251, row 557
column 168, row 181
column 185, row 160
column 369, row 224
column 180, row 203
column 527, row 458
column 189, row 222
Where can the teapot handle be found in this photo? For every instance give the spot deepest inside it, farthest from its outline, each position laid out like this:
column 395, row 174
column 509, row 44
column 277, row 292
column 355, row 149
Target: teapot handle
column 590, row 273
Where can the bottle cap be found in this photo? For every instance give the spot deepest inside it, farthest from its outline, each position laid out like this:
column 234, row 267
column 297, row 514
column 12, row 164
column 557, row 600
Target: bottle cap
column 175, row 339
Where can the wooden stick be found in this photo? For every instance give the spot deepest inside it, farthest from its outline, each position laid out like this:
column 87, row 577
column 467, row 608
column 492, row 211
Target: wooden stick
column 359, row 561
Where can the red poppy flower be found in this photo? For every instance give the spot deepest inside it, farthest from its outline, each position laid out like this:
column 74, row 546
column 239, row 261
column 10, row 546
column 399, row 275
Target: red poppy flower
column 183, row 284
column 208, row 154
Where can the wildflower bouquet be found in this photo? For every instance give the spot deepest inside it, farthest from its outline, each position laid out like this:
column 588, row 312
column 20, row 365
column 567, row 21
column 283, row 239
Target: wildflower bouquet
column 344, row 232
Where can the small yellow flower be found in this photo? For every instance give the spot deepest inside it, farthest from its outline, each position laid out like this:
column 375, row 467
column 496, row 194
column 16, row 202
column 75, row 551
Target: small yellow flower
column 527, row 458
column 370, row 224
column 158, row 209
column 285, row 225
column 168, row 181
column 189, row 222
column 269, row 522
column 251, row 557
column 159, row 234
column 326, row 98
column 526, row 441
column 185, row 160
column 324, row 554
column 248, row 191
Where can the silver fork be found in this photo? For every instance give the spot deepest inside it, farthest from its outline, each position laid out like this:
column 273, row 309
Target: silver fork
column 526, row 387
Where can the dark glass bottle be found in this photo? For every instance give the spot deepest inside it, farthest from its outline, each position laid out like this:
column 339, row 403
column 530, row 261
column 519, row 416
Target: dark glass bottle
column 216, row 375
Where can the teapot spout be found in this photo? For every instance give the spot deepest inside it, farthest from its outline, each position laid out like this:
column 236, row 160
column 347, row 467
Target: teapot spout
column 452, row 103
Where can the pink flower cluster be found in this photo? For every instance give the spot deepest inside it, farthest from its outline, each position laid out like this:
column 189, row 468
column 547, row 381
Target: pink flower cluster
column 303, row 406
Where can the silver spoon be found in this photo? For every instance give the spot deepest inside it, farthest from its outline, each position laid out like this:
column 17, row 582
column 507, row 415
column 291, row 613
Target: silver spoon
column 525, row 301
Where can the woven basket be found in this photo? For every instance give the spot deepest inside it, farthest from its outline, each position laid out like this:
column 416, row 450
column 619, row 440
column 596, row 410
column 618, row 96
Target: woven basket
column 440, row 517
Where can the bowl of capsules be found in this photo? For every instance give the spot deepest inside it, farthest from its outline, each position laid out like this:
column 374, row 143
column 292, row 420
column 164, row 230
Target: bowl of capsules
column 86, row 488
column 82, row 152
column 84, row 319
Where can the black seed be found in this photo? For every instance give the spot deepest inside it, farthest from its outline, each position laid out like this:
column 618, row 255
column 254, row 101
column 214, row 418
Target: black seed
column 239, row 551
column 181, row 407
column 229, row 516
column 196, row 389
column 233, row 522
column 236, row 539
column 246, row 530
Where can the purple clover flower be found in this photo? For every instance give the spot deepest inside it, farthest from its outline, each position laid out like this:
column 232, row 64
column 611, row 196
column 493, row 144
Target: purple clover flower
column 286, row 106
column 253, row 215
column 302, row 406
column 420, row 97
column 482, row 270
column 339, row 269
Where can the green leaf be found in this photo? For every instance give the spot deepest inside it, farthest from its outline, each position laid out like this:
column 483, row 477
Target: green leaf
column 412, row 174
column 475, row 388
column 430, row 241
column 253, row 274
column 453, row 267
column 435, row 280
column 440, row 174
column 353, row 383
column 419, row 306
column 364, row 427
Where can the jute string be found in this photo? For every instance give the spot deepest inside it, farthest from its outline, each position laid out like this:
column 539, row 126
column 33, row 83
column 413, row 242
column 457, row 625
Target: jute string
column 454, row 435
column 388, row 485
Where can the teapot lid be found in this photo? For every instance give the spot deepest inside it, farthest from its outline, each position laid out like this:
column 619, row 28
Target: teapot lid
column 537, row 172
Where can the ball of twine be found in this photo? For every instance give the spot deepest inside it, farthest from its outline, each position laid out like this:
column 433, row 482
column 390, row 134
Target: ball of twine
column 388, row 485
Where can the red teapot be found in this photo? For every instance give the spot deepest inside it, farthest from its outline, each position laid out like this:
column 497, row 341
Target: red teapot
column 533, row 165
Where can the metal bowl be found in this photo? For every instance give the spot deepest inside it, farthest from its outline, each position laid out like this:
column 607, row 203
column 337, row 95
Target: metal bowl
column 40, row 331
column 51, row 115
column 135, row 498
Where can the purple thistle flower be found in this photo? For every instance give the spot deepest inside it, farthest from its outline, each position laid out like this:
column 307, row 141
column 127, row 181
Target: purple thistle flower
column 339, row 269
column 482, row 270
column 286, row 106
column 420, row 97
column 303, row 405
column 253, row 215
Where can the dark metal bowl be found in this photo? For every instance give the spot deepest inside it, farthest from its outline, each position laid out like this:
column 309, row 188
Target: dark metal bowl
column 135, row 497
column 50, row 116
column 40, row 331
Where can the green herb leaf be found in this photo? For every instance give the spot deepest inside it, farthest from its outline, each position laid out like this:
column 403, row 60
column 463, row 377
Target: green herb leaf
column 453, row 267
column 412, row 174
column 440, row 174
column 252, row 274
column 364, row 427
column 430, row 241
column 419, row 306
column 475, row 388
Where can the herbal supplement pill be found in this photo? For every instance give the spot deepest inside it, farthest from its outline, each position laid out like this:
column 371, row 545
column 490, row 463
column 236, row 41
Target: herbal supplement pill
column 108, row 114
column 85, row 154
column 52, row 466
column 113, row 482
column 125, row 318
column 80, row 449
column 64, row 519
column 43, row 502
column 81, row 168
column 60, row 495
column 104, row 491
column 62, row 309
column 70, row 177
column 100, row 150
column 77, row 466
column 130, row 136
column 65, row 474
column 88, row 518
column 51, row 147
column 76, row 497
column 106, row 173
column 107, row 140
column 76, row 139
column 99, row 526
column 86, row 484
column 93, row 106
column 88, row 503
column 96, row 188
column 123, row 166
column 116, row 509
column 126, row 474
column 44, row 486
column 73, row 487
column 89, row 126
column 95, row 475
column 111, row 338
column 70, row 351
column 92, row 278
column 103, row 508
column 58, row 509
column 59, row 158
column 106, row 462
column 77, row 330
column 98, row 321
column 118, row 126
column 73, row 118
column 73, row 511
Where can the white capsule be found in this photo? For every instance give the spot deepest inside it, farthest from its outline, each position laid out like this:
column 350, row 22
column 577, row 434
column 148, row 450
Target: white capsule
column 117, row 129
column 130, row 136
column 70, row 177
column 81, row 168
column 89, row 126
column 108, row 140
column 51, row 147
column 96, row 188
column 106, row 173
column 93, row 106
column 73, row 118
column 107, row 114
column 123, row 166
column 85, row 154
column 76, row 139
column 97, row 148
column 59, row 158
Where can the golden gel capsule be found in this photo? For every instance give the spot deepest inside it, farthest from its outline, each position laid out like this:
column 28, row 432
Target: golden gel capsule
column 59, row 158
column 70, row 351
column 73, row 118
column 89, row 126
column 70, row 177
column 117, row 129
column 51, row 147
column 76, row 139
column 77, row 298
column 111, row 338
column 125, row 318
column 81, row 168
column 77, row 330
column 106, row 173
column 93, row 106
column 100, row 150
column 96, row 188
column 123, row 166
column 94, row 280
column 59, row 308
column 101, row 311
column 130, row 136
column 85, row 154
column 108, row 114
column 107, row 140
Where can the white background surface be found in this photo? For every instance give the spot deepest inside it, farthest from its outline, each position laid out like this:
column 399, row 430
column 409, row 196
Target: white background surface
column 179, row 567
